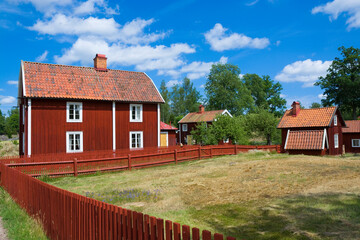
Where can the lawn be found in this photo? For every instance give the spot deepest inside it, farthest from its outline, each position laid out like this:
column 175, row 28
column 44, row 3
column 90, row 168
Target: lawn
column 256, row 195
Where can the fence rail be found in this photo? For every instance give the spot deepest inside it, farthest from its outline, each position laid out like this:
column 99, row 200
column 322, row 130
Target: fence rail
column 66, row 215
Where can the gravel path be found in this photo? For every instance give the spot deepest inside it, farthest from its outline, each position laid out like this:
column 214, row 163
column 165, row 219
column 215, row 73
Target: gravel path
column 3, row 235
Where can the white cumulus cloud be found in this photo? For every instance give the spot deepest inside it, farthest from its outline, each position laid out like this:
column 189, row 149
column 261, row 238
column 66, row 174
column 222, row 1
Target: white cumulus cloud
column 172, row 83
column 350, row 8
column 7, row 100
column 12, row 82
column 307, row 72
column 219, row 40
column 42, row 57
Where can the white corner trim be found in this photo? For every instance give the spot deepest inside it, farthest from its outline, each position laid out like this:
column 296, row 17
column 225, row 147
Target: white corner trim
column 154, row 86
column 29, row 128
column 113, row 125
column 180, row 133
column 158, row 125
column 324, row 139
column 23, row 78
column 227, row 112
column 287, row 136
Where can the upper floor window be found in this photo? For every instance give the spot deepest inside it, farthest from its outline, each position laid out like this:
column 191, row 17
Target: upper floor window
column 335, row 120
column 184, row 127
column 74, row 112
column 336, row 140
column 136, row 112
column 136, row 139
column 74, row 142
column 355, row 142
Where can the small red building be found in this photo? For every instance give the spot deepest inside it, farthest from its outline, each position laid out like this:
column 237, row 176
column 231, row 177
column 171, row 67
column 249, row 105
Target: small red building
column 351, row 135
column 74, row 109
column 167, row 135
column 189, row 122
column 312, row 131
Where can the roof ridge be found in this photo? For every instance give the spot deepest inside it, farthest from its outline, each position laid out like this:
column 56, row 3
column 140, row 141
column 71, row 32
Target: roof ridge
column 72, row 66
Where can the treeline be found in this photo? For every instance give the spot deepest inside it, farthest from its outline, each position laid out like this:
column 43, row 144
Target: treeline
column 9, row 125
column 254, row 102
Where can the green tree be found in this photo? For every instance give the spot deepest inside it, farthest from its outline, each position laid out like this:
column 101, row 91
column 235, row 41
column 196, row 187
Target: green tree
column 12, row 122
column 263, row 124
column 266, row 93
column 203, row 134
column 165, row 108
column 315, row 105
column 2, row 123
column 225, row 90
column 226, row 127
column 341, row 84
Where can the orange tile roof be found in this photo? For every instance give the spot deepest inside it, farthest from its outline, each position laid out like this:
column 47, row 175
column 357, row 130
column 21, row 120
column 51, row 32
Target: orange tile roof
column 305, row 140
column 60, row 81
column 353, row 126
column 164, row 126
column 207, row 116
column 317, row 117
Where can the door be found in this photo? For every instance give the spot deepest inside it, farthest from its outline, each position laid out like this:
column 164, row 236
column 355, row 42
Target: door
column 163, row 139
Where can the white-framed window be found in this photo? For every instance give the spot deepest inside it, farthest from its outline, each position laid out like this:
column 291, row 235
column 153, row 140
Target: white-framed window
column 74, row 111
column 136, row 112
column 336, row 140
column 335, row 120
column 74, row 142
column 355, row 142
column 184, row 127
column 136, row 139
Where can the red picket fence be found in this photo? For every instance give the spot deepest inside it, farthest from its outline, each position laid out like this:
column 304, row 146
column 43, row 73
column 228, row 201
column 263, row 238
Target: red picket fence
column 129, row 161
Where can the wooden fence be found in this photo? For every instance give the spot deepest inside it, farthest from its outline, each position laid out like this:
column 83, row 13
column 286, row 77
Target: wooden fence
column 66, row 215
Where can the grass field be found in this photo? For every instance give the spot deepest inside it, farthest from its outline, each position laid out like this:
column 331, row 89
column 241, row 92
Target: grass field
column 256, row 195
column 9, row 148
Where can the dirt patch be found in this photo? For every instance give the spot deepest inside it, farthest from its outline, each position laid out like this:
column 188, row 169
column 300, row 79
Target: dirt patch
column 3, row 234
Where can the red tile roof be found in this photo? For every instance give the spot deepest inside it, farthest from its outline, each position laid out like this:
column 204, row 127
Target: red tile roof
column 61, row 81
column 207, row 116
column 164, row 126
column 317, row 117
column 305, row 140
column 353, row 126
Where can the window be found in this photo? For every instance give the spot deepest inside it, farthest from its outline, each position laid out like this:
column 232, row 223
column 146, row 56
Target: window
column 355, row 142
column 136, row 112
column 336, row 140
column 136, row 139
column 335, row 120
column 73, row 112
column 74, row 142
column 184, row 127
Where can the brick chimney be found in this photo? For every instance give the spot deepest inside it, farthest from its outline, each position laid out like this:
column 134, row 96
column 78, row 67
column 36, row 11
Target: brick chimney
column 100, row 62
column 201, row 108
column 295, row 108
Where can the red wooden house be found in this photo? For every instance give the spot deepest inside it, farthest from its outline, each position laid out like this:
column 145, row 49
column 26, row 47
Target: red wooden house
column 312, row 131
column 75, row 109
column 351, row 135
column 189, row 122
column 167, row 135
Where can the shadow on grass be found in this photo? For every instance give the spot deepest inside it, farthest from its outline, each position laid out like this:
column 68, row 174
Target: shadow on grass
column 323, row 216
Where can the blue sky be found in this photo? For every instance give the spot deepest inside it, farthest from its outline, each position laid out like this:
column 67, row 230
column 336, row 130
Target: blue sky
column 293, row 41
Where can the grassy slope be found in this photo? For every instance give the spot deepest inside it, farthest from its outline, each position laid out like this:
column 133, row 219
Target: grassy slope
column 18, row 224
column 252, row 196
column 9, row 148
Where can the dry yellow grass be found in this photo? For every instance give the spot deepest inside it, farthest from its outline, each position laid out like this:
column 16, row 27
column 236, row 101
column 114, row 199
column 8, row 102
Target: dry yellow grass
column 8, row 148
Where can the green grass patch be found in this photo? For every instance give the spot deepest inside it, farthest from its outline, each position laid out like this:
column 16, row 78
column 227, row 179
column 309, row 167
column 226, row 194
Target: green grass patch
column 18, row 224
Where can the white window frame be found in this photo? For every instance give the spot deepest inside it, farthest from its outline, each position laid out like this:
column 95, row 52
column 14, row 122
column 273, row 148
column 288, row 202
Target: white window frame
column 141, row 142
column 336, row 140
column 335, row 120
column 352, row 142
column 68, row 150
column 184, row 127
column 68, row 111
column 141, row 113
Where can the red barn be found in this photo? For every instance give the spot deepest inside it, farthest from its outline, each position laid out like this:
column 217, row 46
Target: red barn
column 167, row 135
column 75, row 109
column 351, row 135
column 189, row 122
column 312, row 131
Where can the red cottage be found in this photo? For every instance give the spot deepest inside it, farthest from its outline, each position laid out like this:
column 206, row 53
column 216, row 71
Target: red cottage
column 75, row 109
column 351, row 135
column 189, row 122
column 167, row 135
column 312, row 131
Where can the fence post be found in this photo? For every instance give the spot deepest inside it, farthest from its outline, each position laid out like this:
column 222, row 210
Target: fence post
column 129, row 162
column 199, row 152
column 175, row 156
column 211, row 155
column 235, row 149
column 75, row 167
